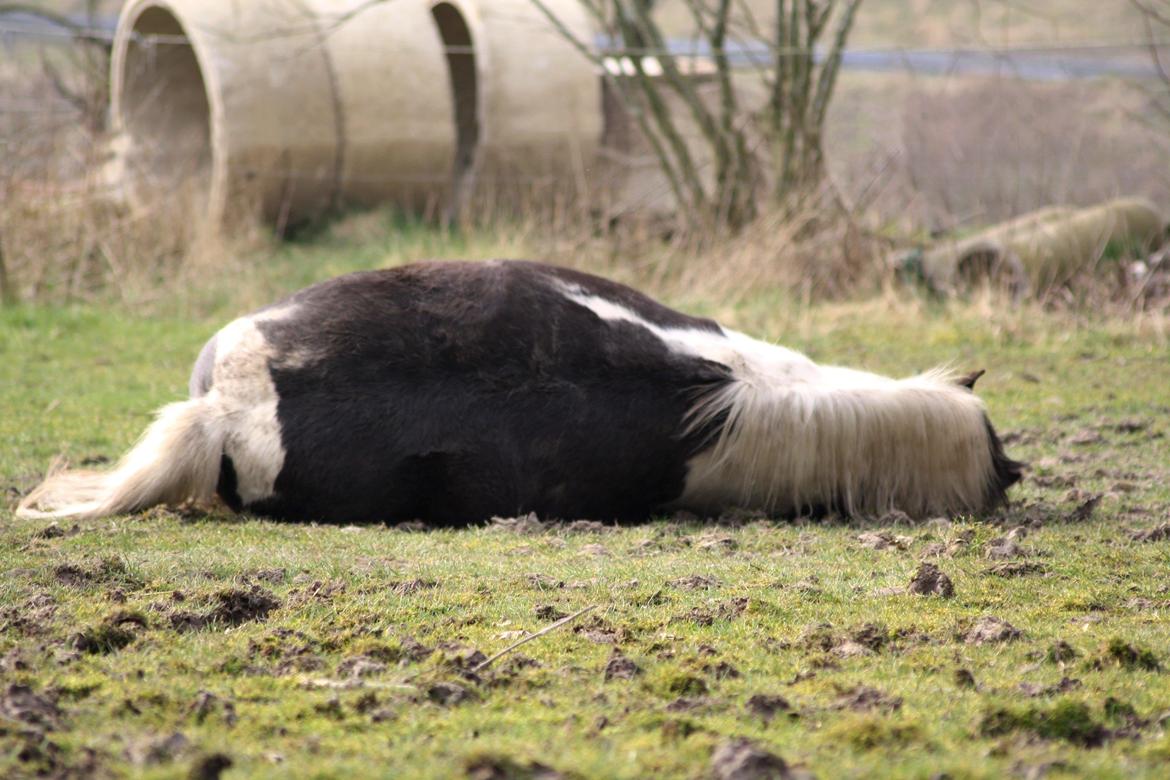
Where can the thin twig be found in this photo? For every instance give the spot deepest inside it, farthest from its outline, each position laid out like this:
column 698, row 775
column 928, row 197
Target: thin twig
column 552, row 627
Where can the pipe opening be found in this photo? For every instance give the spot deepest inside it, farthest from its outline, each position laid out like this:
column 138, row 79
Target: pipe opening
column 165, row 112
column 460, row 49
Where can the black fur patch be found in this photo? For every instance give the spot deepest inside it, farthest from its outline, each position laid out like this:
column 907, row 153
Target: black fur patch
column 453, row 392
column 1007, row 472
column 227, row 487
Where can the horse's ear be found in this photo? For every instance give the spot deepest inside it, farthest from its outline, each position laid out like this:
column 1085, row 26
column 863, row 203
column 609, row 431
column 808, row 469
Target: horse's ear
column 968, row 380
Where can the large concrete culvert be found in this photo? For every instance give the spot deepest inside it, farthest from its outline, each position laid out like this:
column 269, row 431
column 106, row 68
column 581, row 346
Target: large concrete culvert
column 302, row 105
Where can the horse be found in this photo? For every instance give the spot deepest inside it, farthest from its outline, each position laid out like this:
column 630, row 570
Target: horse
column 452, row 392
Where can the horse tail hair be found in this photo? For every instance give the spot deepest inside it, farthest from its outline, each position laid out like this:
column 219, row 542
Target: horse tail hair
column 176, row 460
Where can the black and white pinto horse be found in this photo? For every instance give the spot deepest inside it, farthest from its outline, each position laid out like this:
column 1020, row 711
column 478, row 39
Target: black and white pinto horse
column 452, row 392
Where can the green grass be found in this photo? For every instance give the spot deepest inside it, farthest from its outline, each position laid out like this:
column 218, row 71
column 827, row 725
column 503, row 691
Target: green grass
column 125, row 624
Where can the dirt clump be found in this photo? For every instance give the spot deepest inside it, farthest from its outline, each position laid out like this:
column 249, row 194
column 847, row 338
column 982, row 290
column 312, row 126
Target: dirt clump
column 695, row 582
column 712, row 541
column 989, row 629
column 1085, row 509
column 448, row 694
column 525, row 524
column 543, row 582
column 1015, row 569
column 1158, row 533
column 930, row 581
column 1036, row 690
column 236, row 606
column 1067, row 721
column 210, row 766
column 862, row 698
column 742, row 759
column 598, row 631
column 884, row 540
column 232, row 607
column 110, row 636
column 964, row 679
column 157, row 750
column 360, row 666
column 548, row 612
column 32, row 618
column 588, row 527
column 1119, row 653
column 619, row 667
column 107, row 571
column 1060, row 652
column 55, row 531
column 494, row 767
column 768, row 706
column 1002, row 548
column 408, row 587
column 207, row 703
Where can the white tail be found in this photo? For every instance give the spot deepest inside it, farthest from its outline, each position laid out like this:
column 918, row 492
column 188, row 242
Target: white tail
column 176, row 460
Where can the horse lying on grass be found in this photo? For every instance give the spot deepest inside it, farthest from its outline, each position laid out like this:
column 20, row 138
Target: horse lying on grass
column 452, row 392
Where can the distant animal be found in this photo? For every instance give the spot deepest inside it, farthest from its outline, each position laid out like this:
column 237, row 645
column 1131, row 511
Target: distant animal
column 452, row 392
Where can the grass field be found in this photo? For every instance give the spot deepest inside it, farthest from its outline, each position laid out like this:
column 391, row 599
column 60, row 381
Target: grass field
column 160, row 644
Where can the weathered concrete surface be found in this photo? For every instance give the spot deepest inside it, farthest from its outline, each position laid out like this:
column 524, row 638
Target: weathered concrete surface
column 300, row 105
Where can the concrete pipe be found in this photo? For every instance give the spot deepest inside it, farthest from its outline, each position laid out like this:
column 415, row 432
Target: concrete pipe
column 542, row 99
column 302, row 105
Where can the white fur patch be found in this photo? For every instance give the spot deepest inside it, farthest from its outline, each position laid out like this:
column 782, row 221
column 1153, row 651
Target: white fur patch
column 802, row 435
column 245, row 400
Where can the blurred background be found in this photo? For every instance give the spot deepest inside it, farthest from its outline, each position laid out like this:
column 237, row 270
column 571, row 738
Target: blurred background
column 818, row 147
